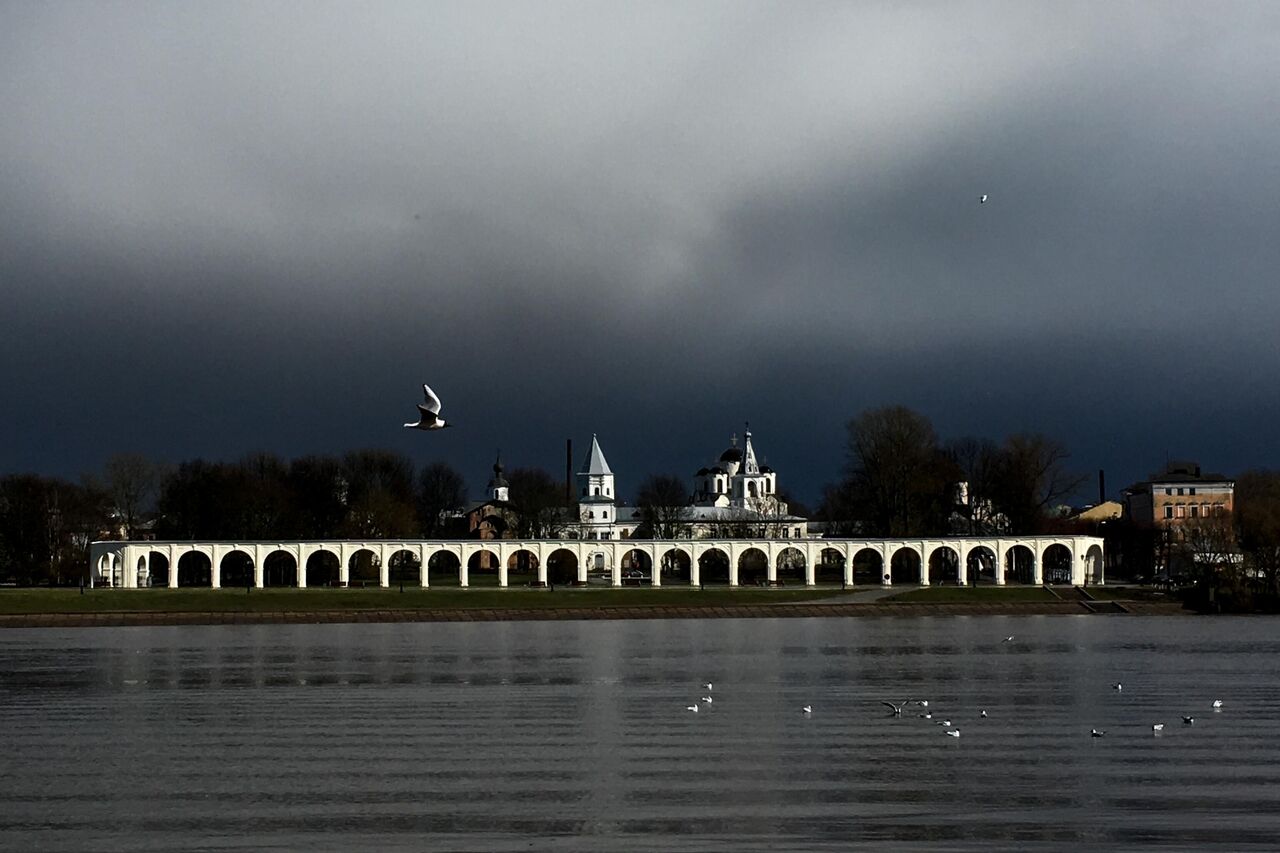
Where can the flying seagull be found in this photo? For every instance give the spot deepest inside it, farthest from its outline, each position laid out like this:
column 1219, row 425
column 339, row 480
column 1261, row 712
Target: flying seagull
column 807, row 709
column 429, row 412
column 982, row 199
column 1217, row 703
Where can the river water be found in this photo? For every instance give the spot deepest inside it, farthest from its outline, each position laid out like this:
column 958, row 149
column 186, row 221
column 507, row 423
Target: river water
column 575, row 735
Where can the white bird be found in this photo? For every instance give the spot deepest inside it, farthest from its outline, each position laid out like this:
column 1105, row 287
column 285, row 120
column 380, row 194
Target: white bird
column 1006, row 639
column 693, row 708
column 707, row 686
column 429, row 412
column 1157, row 727
column 926, row 716
column 1217, row 703
column 707, row 699
column 1096, row 733
column 808, row 709
column 953, row 733
column 897, row 709
column 1117, row 686
column 982, row 713
column 1188, row 720
column 923, row 703
column 946, row 723
column 982, row 199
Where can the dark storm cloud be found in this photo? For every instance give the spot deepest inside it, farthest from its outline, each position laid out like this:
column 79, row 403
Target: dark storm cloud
column 252, row 226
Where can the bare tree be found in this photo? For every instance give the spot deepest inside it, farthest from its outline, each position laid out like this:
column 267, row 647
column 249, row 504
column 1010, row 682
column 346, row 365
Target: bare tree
column 1031, row 477
column 441, row 494
column 664, row 507
column 899, row 480
column 977, row 466
column 1257, row 513
column 131, row 480
column 538, row 501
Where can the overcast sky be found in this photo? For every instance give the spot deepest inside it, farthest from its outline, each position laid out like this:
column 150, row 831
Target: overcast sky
column 228, row 227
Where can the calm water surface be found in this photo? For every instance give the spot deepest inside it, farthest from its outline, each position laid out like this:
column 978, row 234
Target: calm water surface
column 574, row 736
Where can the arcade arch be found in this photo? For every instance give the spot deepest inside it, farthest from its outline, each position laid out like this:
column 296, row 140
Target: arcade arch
column 280, row 568
column 323, row 569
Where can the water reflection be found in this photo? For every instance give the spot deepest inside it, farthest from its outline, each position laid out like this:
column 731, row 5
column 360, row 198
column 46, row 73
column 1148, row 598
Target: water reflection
column 573, row 735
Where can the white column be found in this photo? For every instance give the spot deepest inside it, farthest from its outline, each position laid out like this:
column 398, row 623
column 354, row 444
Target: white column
column 886, row 566
column 695, row 576
column 384, row 568
column 962, row 570
column 344, row 571
column 1000, row 564
column 771, row 569
column 810, row 572
column 924, row 564
column 1037, row 570
column 464, row 569
column 733, row 564
column 502, row 566
column 584, row 552
column 423, row 564
column 542, row 564
column 615, row 566
column 215, row 568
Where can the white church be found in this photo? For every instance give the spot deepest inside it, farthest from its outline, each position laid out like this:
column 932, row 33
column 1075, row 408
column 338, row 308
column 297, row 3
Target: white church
column 733, row 498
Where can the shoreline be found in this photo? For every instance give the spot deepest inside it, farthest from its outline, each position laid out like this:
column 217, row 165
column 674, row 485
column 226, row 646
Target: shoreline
column 125, row 618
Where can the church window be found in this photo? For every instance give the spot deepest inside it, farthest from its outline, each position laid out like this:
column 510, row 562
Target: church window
column 591, row 514
column 597, row 492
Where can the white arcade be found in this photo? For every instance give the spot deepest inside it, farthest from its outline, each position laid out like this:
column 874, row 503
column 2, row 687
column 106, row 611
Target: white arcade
column 1077, row 560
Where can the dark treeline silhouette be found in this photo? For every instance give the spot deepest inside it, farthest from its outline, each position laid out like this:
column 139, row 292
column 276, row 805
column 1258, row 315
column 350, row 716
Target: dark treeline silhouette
column 46, row 523
column 901, row 480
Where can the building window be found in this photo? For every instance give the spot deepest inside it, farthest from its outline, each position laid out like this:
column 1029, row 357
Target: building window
column 1195, row 510
column 597, row 494
column 1204, row 510
column 1180, row 511
column 1179, row 490
column 1168, row 491
column 591, row 514
column 1168, row 512
column 1191, row 491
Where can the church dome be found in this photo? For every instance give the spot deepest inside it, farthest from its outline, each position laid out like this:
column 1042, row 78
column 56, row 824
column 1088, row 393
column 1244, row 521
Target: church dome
column 733, row 454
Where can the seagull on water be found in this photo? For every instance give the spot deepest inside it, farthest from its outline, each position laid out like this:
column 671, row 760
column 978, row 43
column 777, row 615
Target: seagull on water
column 429, row 412
column 1096, row 733
column 1217, row 704
column 1006, row 639
column 693, row 708
column 926, row 716
column 707, row 699
column 807, row 709
column 982, row 199
column 897, row 709
column 946, row 723
column 707, row 686
column 982, row 714
column 1157, row 727
column 1186, row 721
column 1117, row 686
column 953, row 733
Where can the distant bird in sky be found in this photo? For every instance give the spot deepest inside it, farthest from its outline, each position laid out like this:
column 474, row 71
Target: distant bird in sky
column 1096, row 733
column 1157, row 727
column 429, row 412
column 1217, row 703
column 982, row 199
